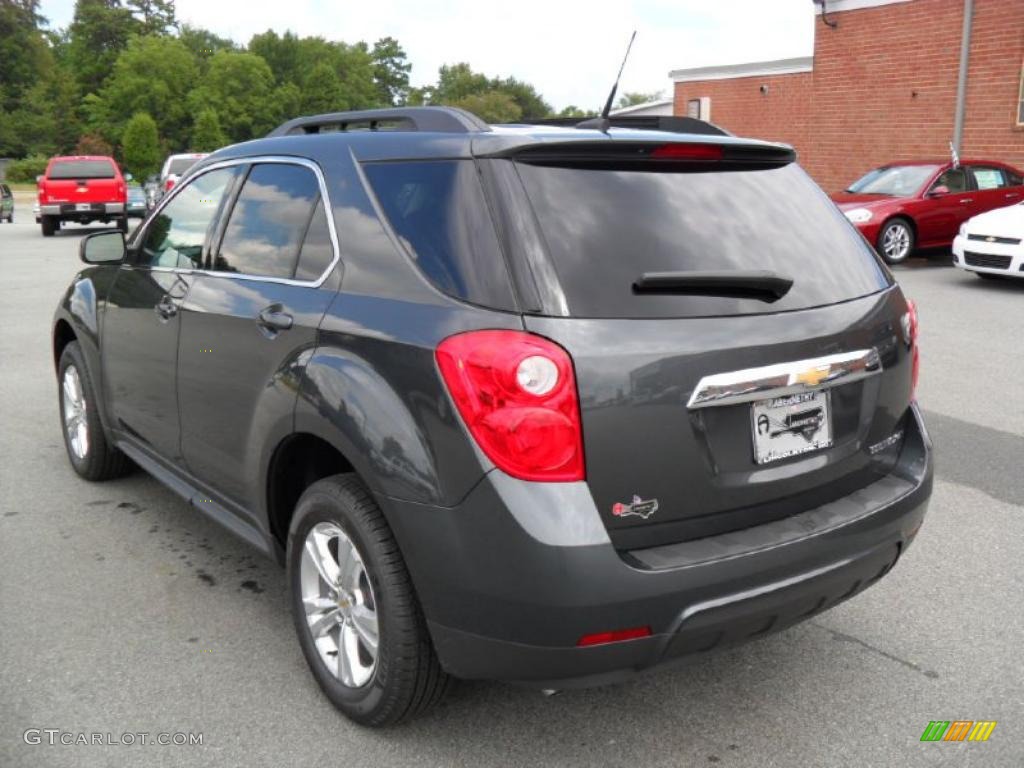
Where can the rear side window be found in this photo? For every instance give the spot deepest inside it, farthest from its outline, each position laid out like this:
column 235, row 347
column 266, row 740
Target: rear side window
column 604, row 229
column 269, row 221
column 179, row 165
column 438, row 211
column 317, row 252
column 82, row 169
column 988, row 178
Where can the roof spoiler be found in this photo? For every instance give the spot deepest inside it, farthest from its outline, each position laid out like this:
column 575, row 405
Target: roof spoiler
column 420, row 119
column 667, row 123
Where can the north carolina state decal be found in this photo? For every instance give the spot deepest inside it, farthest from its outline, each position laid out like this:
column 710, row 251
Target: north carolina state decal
column 642, row 508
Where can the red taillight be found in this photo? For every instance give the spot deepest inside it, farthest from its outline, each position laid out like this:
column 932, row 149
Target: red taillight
column 687, row 152
column 168, row 185
column 517, row 394
column 615, row 636
column 912, row 330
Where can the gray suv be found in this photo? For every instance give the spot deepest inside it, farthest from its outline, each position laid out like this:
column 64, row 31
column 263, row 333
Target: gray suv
column 542, row 404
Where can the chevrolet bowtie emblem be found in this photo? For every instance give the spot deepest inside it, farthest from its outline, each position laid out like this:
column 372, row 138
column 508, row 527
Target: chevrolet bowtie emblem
column 990, row 239
column 812, row 377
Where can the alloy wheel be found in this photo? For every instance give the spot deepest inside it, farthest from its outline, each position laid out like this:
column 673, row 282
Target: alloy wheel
column 339, row 604
column 75, row 412
column 896, row 242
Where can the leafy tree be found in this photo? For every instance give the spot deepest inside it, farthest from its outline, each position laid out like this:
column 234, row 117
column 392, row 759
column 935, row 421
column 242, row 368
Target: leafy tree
column 491, row 106
column 154, row 17
column 91, row 144
column 23, row 51
column 287, row 100
column 322, row 91
column 573, row 111
column 282, row 53
column 207, row 135
column 26, row 170
column 633, row 98
column 238, row 87
column 99, row 31
column 203, row 44
column 390, row 71
column 530, row 103
column 140, row 146
column 457, row 82
column 153, row 75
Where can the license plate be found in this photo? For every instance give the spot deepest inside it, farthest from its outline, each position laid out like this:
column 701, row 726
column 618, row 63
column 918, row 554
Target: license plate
column 791, row 425
column 83, row 207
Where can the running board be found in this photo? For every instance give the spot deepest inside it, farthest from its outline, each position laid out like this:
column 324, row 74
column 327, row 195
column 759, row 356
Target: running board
column 198, row 499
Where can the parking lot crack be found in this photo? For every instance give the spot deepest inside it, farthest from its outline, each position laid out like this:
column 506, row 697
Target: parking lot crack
column 847, row 638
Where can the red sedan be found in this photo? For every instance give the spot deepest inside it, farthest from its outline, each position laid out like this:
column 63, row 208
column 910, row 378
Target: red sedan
column 905, row 206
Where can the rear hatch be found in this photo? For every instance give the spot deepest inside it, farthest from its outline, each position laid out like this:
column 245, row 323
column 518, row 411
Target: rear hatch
column 741, row 354
column 83, row 181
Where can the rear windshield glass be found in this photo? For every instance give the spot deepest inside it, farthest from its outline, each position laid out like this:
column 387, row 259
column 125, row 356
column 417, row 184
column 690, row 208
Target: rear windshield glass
column 181, row 164
column 82, row 169
column 437, row 209
column 604, row 229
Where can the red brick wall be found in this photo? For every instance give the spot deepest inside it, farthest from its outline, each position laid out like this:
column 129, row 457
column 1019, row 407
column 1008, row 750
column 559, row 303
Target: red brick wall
column 884, row 88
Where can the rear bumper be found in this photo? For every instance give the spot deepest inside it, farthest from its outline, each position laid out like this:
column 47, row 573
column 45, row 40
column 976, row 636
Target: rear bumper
column 506, row 598
column 70, row 211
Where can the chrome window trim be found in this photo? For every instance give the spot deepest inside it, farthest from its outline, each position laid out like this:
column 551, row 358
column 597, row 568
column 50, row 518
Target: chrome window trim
column 252, row 160
column 784, row 379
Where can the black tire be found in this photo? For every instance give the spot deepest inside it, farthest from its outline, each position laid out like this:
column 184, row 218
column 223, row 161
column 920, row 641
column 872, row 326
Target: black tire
column 101, row 460
column 896, row 241
column 49, row 225
column 408, row 679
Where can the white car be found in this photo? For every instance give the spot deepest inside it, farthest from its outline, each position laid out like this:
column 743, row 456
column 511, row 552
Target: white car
column 175, row 167
column 990, row 244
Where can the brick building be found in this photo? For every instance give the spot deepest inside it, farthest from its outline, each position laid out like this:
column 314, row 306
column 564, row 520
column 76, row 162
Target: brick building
column 881, row 86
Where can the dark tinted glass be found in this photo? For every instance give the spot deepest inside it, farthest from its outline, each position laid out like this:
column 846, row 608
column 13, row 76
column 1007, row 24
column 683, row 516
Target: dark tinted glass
column 82, row 169
column 268, row 221
column 604, row 229
column 954, row 179
column 176, row 236
column 316, row 253
column 181, row 164
column 1014, row 179
column 438, row 210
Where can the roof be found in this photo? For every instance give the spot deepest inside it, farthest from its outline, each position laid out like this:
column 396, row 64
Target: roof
column 647, row 105
column 749, row 69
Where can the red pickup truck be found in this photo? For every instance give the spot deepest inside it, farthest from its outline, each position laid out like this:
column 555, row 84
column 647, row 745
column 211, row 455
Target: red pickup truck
column 82, row 188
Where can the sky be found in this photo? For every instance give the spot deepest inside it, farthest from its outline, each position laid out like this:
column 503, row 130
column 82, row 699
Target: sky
column 569, row 50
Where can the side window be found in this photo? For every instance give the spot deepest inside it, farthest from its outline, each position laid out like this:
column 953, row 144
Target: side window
column 988, row 178
column 176, row 236
column 954, row 179
column 1014, row 179
column 268, row 221
column 317, row 252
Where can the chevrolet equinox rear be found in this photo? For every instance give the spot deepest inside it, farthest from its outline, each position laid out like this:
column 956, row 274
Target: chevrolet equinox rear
column 547, row 405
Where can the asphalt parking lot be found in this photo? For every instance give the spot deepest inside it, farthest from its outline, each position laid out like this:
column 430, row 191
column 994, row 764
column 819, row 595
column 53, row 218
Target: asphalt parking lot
column 124, row 611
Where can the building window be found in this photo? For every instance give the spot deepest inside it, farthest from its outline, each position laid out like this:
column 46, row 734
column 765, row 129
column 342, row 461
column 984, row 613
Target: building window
column 699, row 109
column 1020, row 100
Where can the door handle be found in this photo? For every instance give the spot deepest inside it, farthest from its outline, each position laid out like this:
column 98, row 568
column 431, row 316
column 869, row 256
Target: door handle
column 966, row 200
column 1013, row 194
column 274, row 318
column 166, row 308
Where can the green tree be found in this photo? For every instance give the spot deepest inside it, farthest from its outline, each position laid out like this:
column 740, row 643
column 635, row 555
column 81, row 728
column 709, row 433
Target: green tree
column 390, row 71
column 631, row 99
column 153, row 75
column 91, row 144
column 456, row 83
column 322, row 91
column 140, row 146
column 207, row 135
column 491, row 106
column 98, row 33
column 154, row 17
column 203, row 44
column 530, row 103
column 239, row 88
column 573, row 111
column 282, row 53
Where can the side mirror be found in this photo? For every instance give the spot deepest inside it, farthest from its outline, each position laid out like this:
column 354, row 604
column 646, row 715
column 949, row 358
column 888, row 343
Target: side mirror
column 939, row 191
column 128, row 177
column 102, row 248
column 39, row 178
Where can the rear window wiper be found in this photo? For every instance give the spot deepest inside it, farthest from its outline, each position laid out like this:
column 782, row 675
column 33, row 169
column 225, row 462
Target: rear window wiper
column 762, row 285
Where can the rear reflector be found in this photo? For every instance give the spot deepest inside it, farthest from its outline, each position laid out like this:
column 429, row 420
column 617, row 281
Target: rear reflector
column 615, row 636
column 687, row 152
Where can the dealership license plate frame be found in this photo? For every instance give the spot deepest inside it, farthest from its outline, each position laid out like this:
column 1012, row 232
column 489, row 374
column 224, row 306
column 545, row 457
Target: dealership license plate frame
column 82, row 207
column 787, row 443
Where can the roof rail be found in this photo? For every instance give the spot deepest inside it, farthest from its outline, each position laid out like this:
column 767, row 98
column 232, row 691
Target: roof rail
column 434, row 119
column 644, row 123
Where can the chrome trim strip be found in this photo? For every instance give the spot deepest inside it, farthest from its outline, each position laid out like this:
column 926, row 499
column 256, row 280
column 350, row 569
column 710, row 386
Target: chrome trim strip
column 286, row 159
column 784, row 379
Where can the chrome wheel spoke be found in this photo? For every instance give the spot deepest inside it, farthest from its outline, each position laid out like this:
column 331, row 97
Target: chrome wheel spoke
column 347, row 652
column 320, row 554
column 76, row 425
column 322, row 623
column 364, row 621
